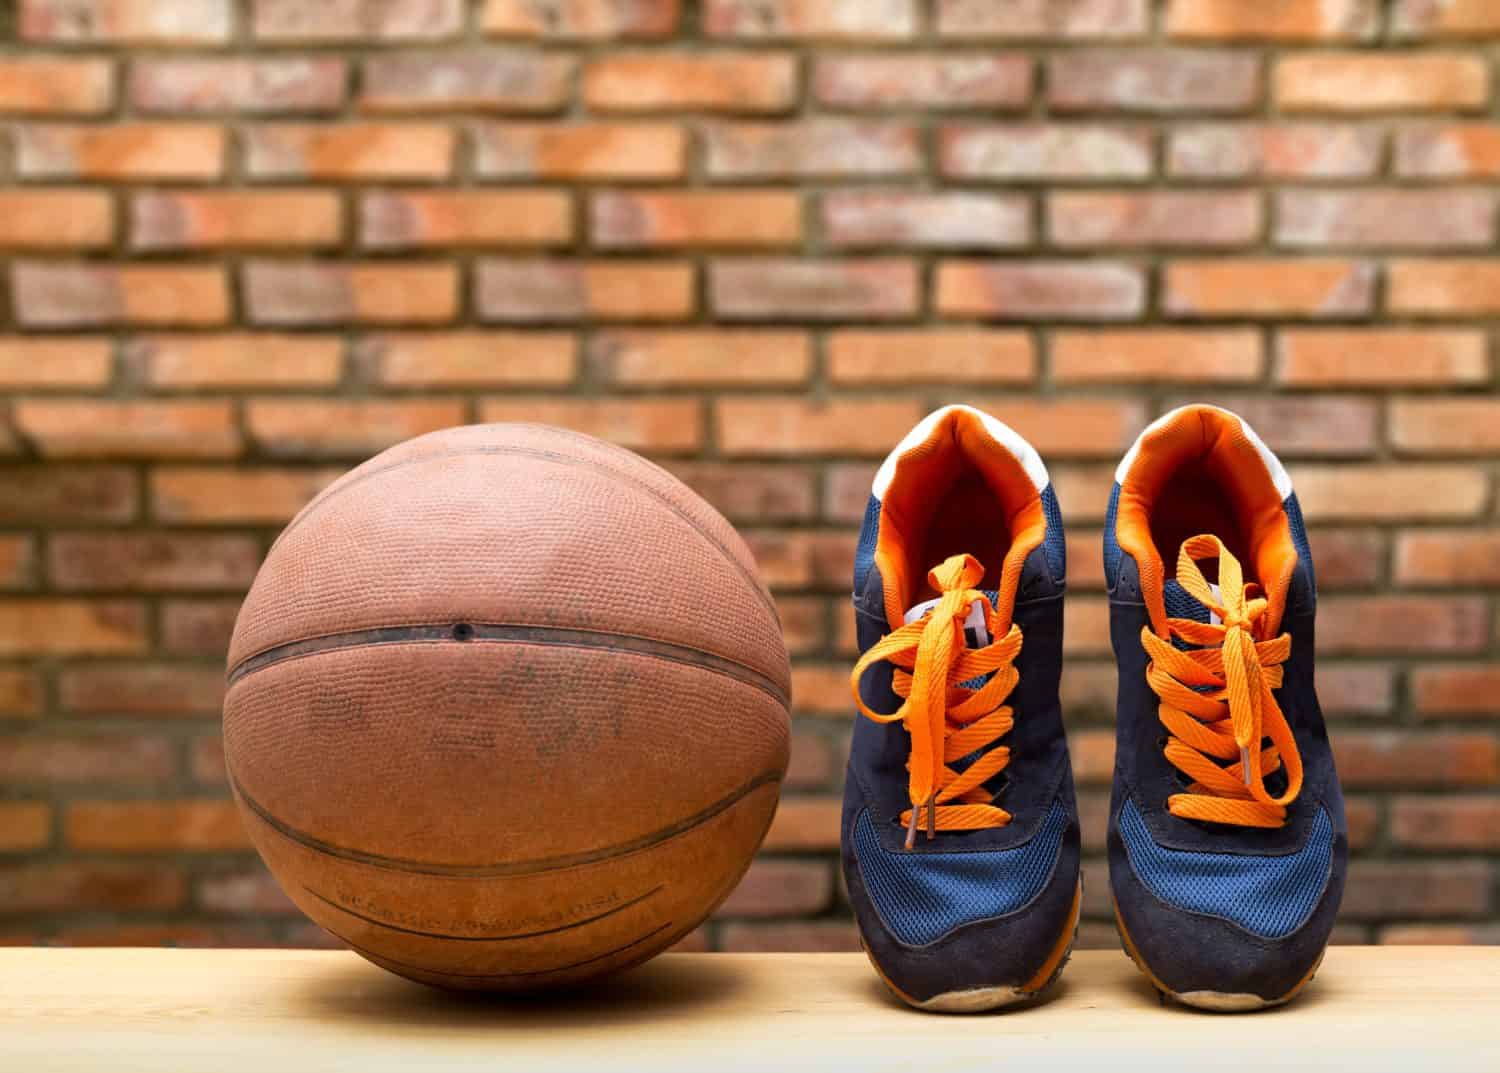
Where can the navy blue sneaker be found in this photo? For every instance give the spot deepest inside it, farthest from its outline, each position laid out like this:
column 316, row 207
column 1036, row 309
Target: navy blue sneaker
column 1227, row 840
column 960, row 832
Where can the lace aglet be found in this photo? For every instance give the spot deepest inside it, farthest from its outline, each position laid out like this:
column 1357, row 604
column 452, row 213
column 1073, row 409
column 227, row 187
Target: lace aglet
column 911, row 827
column 1245, row 763
column 932, row 816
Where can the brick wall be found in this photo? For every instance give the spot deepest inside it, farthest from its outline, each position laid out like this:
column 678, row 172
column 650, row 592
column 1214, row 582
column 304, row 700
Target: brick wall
column 247, row 244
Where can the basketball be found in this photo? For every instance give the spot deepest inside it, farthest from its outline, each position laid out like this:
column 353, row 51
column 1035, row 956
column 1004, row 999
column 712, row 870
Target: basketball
column 507, row 708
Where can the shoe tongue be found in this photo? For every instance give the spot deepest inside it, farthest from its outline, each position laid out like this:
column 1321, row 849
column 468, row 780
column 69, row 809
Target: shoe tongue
column 976, row 633
column 1182, row 604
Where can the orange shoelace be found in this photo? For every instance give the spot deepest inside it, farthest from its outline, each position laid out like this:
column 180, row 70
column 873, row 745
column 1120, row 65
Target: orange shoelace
column 1236, row 710
column 946, row 721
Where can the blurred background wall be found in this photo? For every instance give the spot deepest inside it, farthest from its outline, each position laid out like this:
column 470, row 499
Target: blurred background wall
column 247, row 243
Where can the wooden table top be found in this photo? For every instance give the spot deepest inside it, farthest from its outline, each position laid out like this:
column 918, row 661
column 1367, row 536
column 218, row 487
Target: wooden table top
column 279, row 1011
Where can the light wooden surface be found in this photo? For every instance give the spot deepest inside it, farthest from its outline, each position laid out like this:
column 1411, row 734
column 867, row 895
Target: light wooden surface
column 274, row 1011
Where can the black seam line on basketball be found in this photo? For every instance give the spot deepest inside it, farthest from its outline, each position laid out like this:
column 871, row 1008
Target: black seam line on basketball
column 509, row 936
column 550, row 456
column 653, row 933
column 513, row 868
column 500, row 633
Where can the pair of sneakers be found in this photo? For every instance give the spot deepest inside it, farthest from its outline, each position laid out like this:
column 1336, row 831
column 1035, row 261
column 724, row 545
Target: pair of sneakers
column 1227, row 841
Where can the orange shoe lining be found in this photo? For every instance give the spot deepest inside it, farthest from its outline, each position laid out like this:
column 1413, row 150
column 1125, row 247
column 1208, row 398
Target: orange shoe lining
column 959, row 491
column 1205, row 457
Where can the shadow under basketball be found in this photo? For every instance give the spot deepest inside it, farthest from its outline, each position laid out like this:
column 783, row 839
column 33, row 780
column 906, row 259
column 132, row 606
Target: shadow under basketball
column 352, row 990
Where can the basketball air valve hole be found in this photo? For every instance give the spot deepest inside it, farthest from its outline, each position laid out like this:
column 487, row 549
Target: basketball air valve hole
column 462, row 631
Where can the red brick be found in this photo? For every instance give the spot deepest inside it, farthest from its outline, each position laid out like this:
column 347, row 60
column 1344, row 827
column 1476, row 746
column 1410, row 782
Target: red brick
column 1464, row 557
column 1453, row 823
column 814, row 761
column 90, row 885
column 693, row 82
column 238, row 84
column 1380, row 81
column 1363, row 815
column 25, row 825
column 949, row 355
column 811, row 148
column 700, row 357
column 1356, row 689
column 751, row 493
column 348, row 151
column 61, row 295
column 1274, row 151
column 108, row 429
column 468, row 358
column 531, row 290
column 235, row 360
column 1042, row 151
column 1042, row 18
column 966, row 80
column 1380, row 492
column 1309, row 424
column 151, row 561
column 218, row 495
column 778, row 288
column 1456, row 150
column 384, row 292
column 54, row 85
column 52, row 493
column 352, row 20
column 198, row 627
column 804, row 629
column 1402, row 219
column 182, row 826
column 184, row 220
column 1390, row 759
column 206, row 761
column 67, row 362
column 96, row 758
column 1451, row 18
column 1446, row 426
column 593, row 19
column 950, row 219
column 805, row 823
column 141, row 689
column 1157, row 218
column 20, row 692
column 1381, row 357
column 826, row 19
column 1348, row 558
column 1268, row 287
column 400, row 218
column 1156, row 354
column 796, row 426
column 1361, row 624
column 1093, row 755
column 18, row 561
column 1166, row 80
column 355, row 427
column 136, row 22
column 1457, row 287
column 828, row 936
column 477, row 80
column 774, row 888
column 1235, row 20
column 120, row 151
column 1071, row 427
column 1456, row 689
column 1068, row 290
column 802, row 559
column 635, row 151
column 627, row 219
column 654, row 424
column 244, row 893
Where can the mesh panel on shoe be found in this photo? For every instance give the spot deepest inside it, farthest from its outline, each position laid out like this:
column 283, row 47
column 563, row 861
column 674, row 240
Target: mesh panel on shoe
column 864, row 552
column 1055, row 545
column 1270, row 897
column 1299, row 534
column 1111, row 543
column 923, row 896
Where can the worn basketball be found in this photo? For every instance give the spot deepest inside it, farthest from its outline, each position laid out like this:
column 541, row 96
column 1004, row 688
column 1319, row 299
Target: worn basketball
column 507, row 708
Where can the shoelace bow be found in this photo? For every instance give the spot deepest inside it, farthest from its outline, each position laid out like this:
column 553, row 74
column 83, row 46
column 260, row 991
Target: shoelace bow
column 1236, row 710
column 946, row 721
